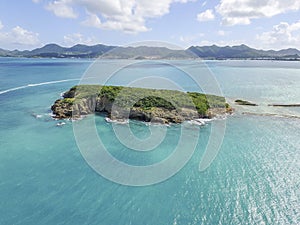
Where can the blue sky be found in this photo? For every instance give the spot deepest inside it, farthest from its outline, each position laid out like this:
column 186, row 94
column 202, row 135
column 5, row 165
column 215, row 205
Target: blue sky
column 263, row 24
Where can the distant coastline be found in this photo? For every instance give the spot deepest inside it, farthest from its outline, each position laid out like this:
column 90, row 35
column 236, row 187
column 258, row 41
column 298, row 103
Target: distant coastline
column 213, row 52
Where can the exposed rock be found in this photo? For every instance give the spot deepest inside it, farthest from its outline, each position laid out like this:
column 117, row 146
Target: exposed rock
column 159, row 120
column 243, row 102
column 284, row 105
column 61, row 109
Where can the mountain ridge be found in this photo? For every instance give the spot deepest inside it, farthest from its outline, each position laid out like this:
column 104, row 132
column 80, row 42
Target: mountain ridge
column 242, row 51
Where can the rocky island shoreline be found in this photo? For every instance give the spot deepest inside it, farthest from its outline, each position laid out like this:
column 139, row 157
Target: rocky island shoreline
column 147, row 105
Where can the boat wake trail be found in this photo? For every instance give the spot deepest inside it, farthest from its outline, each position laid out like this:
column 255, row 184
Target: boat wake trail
column 38, row 84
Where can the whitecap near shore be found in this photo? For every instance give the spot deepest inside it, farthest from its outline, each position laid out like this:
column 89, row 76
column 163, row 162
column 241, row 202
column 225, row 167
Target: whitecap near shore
column 197, row 122
column 119, row 121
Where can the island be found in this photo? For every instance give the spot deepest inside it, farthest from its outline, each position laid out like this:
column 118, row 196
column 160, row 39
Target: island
column 148, row 105
column 284, row 105
column 244, row 102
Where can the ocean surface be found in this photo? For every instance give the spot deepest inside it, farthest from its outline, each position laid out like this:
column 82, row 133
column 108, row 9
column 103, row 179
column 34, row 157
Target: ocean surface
column 254, row 178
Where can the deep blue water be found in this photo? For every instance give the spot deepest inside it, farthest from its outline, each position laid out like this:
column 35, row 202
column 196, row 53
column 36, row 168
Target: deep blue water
column 45, row 180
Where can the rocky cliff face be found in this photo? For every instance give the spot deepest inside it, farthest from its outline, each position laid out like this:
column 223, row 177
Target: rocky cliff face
column 63, row 109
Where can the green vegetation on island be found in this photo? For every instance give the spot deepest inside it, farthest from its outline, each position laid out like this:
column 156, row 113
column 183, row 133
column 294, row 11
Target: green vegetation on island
column 158, row 105
column 243, row 102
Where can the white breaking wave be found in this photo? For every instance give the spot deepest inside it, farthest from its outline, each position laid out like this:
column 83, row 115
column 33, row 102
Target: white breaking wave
column 123, row 121
column 38, row 84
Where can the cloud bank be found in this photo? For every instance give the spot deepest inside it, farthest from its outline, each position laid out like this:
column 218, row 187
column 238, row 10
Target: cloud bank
column 126, row 15
column 18, row 36
column 283, row 34
column 235, row 12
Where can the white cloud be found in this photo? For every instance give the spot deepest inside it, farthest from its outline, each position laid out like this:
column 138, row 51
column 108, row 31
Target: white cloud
column 36, row 1
column 243, row 11
column 221, row 33
column 126, row 25
column 126, row 15
column 235, row 21
column 78, row 38
column 62, row 8
column 283, row 35
column 188, row 40
column 185, row 1
column 1, row 25
column 19, row 36
column 206, row 16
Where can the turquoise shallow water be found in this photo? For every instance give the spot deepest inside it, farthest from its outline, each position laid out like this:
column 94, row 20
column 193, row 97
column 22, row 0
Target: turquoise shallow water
column 45, row 180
